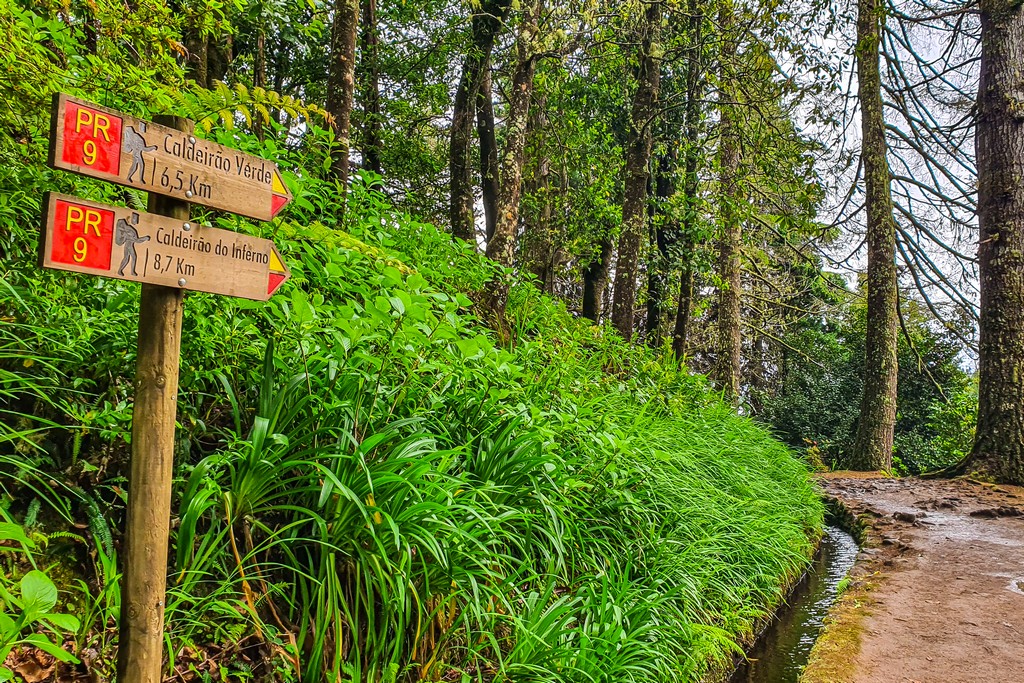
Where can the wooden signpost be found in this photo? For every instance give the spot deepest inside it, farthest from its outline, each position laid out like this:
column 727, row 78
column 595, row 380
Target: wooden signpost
column 99, row 142
column 112, row 241
column 168, row 253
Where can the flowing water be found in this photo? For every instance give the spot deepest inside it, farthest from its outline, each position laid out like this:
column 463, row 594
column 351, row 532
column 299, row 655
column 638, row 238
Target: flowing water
column 781, row 652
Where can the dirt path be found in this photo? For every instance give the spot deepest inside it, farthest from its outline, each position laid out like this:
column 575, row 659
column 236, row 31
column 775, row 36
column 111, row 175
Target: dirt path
column 942, row 586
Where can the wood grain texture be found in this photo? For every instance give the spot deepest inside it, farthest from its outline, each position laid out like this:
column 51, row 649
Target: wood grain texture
column 102, row 143
column 112, row 241
column 140, row 650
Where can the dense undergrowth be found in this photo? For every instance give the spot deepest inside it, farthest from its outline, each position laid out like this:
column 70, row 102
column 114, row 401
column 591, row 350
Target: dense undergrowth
column 371, row 485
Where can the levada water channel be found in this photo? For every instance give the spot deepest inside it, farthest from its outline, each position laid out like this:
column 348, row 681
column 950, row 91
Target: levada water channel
column 781, row 651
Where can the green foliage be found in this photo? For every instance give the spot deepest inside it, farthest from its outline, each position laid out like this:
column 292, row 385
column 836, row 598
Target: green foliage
column 27, row 616
column 816, row 406
column 412, row 496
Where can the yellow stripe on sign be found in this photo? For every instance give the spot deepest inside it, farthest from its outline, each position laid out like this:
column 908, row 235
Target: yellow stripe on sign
column 277, row 185
column 275, row 262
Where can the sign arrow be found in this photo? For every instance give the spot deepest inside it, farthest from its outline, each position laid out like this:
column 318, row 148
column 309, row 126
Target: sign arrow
column 102, row 143
column 118, row 242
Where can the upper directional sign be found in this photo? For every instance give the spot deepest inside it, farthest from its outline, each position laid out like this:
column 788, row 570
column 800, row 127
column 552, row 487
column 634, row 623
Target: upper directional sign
column 105, row 144
column 117, row 242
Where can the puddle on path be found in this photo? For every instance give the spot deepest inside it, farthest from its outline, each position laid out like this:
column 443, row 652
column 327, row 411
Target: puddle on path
column 782, row 651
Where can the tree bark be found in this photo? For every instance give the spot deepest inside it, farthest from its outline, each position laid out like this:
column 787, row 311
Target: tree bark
column 637, row 161
column 665, row 235
column 595, row 280
column 219, row 53
column 486, row 26
column 691, row 179
column 196, row 62
column 538, row 248
column 730, row 339
column 873, row 446
column 999, row 142
column 684, row 312
column 341, row 82
column 501, row 247
column 488, row 152
column 259, row 77
column 370, row 73
column 92, row 29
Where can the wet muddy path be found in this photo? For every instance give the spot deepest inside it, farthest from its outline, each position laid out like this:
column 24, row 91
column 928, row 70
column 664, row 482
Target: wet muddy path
column 946, row 560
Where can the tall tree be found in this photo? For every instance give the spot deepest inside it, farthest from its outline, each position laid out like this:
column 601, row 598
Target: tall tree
column 730, row 337
column 341, row 81
column 539, row 248
column 486, row 24
column 873, row 447
column 664, row 235
column 637, row 155
column 489, row 182
column 595, row 278
column 691, row 177
column 501, row 246
column 999, row 139
column 369, row 74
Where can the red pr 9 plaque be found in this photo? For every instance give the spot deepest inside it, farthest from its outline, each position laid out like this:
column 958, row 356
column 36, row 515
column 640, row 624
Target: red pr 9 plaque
column 92, row 139
column 83, row 235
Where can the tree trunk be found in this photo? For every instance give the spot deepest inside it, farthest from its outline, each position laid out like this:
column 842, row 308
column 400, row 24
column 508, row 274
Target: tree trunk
column 486, row 26
column 488, row 152
column 369, row 72
column 219, row 53
column 92, row 33
column 279, row 69
column 595, row 280
column 999, row 445
column 341, row 82
column 873, row 447
column 196, row 63
column 684, row 312
column 259, row 78
column 637, row 161
column 665, row 234
column 501, row 247
column 730, row 339
column 538, row 248
column 691, row 179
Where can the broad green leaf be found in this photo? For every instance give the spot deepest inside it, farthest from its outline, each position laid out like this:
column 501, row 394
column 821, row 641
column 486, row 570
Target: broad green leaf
column 64, row 622
column 38, row 594
column 51, row 648
column 14, row 532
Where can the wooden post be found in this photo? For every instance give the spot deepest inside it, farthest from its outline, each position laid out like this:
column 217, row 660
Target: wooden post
column 141, row 640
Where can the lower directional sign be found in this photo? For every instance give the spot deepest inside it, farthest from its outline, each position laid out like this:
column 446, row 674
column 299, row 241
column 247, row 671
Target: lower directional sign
column 117, row 242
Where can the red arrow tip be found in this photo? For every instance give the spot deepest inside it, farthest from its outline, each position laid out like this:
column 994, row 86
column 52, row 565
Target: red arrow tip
column 277, row 203
column 274, row 281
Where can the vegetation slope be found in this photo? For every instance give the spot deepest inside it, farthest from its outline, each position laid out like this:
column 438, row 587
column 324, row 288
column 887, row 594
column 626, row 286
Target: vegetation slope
column 370, row 484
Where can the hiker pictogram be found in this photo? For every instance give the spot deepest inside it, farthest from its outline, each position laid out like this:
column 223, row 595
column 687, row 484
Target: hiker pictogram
column 126, row 234
column 135, row 145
